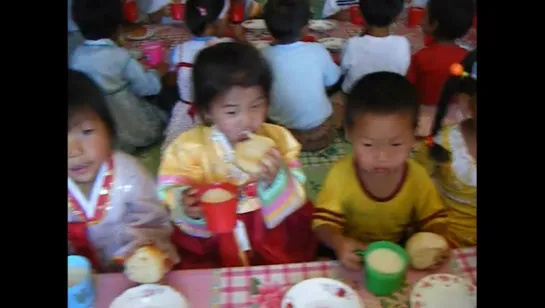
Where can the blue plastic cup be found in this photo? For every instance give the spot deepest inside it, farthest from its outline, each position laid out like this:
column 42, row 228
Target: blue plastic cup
column 82, row 293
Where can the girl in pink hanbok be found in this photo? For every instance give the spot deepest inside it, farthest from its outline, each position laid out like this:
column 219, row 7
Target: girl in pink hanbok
column 113, row 213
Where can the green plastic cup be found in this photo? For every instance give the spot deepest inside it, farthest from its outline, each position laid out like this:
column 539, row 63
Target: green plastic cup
column 382, row 284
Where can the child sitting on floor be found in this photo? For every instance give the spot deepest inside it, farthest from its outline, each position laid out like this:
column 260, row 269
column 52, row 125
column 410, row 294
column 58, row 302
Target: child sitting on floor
column 376, row 50
column 200, row 18
column 445, row 21
column 122, row 78
column 377, row 192
column 301, row 71
column 232, row 84
column 450, row 154
column 113, row 213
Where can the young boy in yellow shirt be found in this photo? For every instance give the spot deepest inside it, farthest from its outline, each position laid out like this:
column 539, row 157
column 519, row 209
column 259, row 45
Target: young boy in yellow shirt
column 377, row 193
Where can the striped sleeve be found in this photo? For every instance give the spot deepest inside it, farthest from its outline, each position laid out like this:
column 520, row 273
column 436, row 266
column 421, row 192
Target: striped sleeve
column 344, row 4
column 177, row 172
column 329, row 203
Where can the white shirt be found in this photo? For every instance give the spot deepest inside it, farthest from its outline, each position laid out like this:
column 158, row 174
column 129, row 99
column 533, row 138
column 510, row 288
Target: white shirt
column 368, row 54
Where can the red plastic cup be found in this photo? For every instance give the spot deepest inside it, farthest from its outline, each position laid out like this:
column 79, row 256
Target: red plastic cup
column 177, row 11
column 130, row 11
column 415, row 16
column 355, row 16
column 221, row 217
column 237, row 11
column 153, row 51
column 308, row 38
column 428, row 39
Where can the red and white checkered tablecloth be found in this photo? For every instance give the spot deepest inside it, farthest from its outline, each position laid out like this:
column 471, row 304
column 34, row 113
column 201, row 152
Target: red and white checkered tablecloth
column 243, row 287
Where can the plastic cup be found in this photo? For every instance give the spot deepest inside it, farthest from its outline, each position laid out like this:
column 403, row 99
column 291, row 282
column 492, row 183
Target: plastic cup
column 177, row 11
column 308, row 38
column 415, row 16
column 130, row 11
column 221, row 217
column 153, row 51
column 355, row 16
column 81, row 294
column 382, row 284
column 237, row 12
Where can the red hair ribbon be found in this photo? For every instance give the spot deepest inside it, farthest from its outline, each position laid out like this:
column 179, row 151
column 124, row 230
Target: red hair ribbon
column 429, row 141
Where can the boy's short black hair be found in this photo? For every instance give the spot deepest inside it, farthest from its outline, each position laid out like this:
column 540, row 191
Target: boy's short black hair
column 83, row 94
column 97, row 19
column 382, row 93
column 453, row 17
column 286, row 18
column 380, row 13
column 201, row 13
column 223, row 66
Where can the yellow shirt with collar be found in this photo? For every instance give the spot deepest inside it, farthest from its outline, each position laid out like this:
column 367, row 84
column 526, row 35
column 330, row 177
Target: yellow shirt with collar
column 343, row 204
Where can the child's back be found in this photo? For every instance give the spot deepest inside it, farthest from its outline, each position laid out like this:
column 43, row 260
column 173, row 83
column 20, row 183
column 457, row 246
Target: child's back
column 376, row 50
column 445, row 21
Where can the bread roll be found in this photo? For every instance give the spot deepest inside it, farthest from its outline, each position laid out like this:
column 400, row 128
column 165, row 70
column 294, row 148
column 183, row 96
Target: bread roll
column 424, row 249
column 249, row 153
column 216, row 195
column 146, row 265
column 385, row 261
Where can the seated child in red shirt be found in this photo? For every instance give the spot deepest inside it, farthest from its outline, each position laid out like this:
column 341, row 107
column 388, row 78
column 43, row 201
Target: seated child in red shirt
column 445, row 21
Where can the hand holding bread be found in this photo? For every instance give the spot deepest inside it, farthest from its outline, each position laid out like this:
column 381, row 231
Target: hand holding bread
column 258, row 157
column 146, row 265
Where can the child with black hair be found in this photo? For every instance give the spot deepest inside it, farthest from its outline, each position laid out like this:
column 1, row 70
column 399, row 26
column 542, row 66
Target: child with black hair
column 445, row 21
column 113, row 212
column 232, row 84
column 450, row 155
column 377, row 50
column 377, row 192
column 301, row 73
column 200, row 17
column 122, row 78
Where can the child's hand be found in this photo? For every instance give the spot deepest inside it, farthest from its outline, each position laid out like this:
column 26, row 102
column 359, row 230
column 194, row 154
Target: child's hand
column 345, row 252
column 190, row 202
column 238, row 33
column 270, row 164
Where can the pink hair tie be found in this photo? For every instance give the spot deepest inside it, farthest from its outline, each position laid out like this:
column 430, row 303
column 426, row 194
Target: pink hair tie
column 202, row 11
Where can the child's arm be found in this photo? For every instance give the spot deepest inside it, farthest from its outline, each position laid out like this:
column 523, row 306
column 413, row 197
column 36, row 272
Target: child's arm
column 332, row 73
column 430, row 213
column 146, row 221
column 179, row 170
column 328, row 219
column 142, row 82
column 412, row 72
column 286, row 194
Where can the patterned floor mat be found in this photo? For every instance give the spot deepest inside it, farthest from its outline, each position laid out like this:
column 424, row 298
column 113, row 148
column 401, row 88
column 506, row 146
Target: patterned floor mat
column 327, row 156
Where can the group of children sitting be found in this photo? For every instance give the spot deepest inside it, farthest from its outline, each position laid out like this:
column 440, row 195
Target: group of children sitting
column 378, row 192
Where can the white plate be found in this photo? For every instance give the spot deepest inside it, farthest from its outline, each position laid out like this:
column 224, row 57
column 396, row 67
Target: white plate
column 443, row 291
column 332, row 43
column 261, row 44
column 322, row 25
column 321, row 292
column 149, row 33
column 150, row 296
column 254, row 25
column 136, row 53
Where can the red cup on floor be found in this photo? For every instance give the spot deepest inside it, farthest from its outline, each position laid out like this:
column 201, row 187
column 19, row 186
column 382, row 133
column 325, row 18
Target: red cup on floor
column 130, row 11
column 355, row 16
column 177, row 11
column 221, row 217
column 153, row 52
column 415, row 16
column 237, row 12
column 428, row 39
column 308, row 38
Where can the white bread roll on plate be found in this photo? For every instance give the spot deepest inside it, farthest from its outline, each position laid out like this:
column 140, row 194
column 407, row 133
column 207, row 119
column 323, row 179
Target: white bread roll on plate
column 424, row 248
column 249, row 153
column 146, row 265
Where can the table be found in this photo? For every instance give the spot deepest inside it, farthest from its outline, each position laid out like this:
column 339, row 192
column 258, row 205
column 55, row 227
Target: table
column 240, row 287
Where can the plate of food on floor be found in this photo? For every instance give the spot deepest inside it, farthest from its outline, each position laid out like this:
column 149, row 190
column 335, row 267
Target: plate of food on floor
column 261, row 44
column 444, row 291
column 139, row 33
column 321, row 292
column 332, row 43
column 322, row 25
column 150, row 295
column 254, row 25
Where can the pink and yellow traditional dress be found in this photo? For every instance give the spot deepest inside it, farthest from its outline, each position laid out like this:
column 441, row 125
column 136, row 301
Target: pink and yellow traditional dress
column 274, row 222
column 121, row 215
